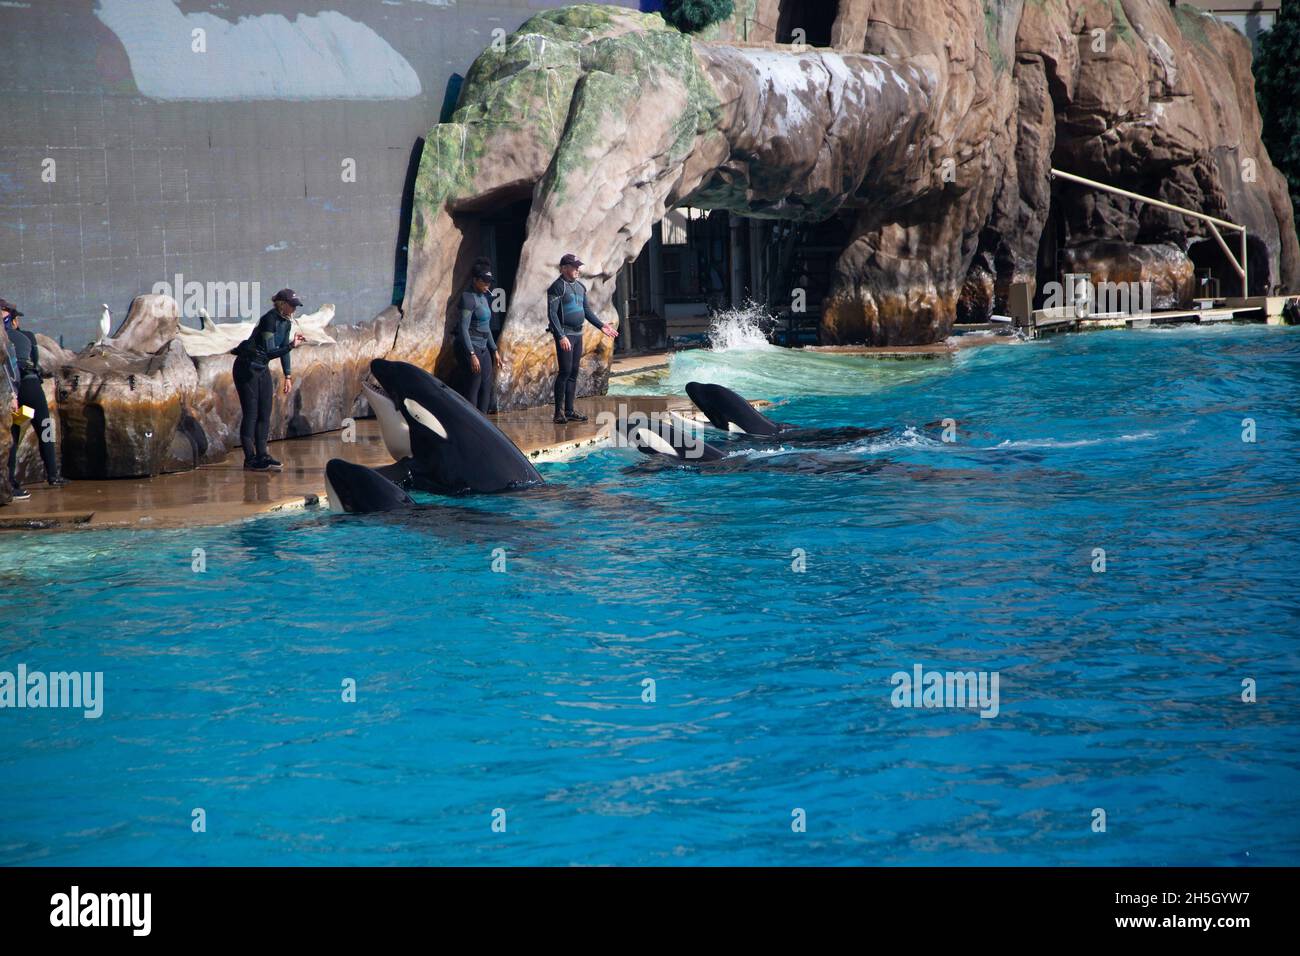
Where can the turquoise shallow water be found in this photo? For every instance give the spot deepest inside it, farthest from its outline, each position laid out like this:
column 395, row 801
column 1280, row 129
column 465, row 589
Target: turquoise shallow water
column 522, row 690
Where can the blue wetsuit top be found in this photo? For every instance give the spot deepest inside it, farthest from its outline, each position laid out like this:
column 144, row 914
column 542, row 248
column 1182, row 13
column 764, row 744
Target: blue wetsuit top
column 567, row 307
column 475, row 331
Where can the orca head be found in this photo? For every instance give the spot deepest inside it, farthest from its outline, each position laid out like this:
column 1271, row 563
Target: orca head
column 452, row 444
column 356, row 489
column 652, row 435
column 729, row 411
column 429, row 410
column 392, row 426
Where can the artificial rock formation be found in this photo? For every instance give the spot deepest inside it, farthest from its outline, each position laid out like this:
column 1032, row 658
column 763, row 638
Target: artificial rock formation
column 932, row 123
column 1154, row 99
column 929, row 125
column 604, row 118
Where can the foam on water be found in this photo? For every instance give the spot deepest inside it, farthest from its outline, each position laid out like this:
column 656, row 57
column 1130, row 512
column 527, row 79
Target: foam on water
column 1077, row 443
column 909, row 437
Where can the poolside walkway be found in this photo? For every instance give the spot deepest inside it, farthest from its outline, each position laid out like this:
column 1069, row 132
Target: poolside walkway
column 220, row 493
column 640, row 362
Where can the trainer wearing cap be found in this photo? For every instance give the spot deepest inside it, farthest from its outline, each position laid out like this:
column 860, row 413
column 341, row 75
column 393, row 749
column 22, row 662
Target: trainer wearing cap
column 272, row 339
column 22, row 365
column 474, row 341
column 566, row 309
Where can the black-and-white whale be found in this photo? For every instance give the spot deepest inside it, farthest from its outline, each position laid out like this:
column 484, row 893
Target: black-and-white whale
column 441, row 442
column 730, row 412
column 672, row 438
column 356, row 489
column 679, row 439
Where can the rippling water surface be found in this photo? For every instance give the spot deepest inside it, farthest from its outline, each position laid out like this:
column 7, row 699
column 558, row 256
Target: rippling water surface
column 523, row 690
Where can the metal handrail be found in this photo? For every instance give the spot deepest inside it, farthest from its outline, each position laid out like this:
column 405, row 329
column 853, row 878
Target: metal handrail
column 1239, row 266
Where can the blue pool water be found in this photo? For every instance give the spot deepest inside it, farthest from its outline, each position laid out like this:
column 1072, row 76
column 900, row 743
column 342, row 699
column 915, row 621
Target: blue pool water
column 523, row 690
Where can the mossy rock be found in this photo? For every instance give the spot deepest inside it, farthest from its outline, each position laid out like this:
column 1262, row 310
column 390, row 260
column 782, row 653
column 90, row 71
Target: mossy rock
column 531, row 83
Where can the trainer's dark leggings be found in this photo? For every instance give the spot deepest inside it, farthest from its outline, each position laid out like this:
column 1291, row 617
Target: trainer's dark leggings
column 478, row 387
column 566, row 381
column 256, row 397
column 32, row 395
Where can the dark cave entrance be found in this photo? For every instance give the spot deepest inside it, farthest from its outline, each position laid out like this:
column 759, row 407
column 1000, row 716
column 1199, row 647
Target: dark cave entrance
column 495, row 226
column 503, row 234
column 815, row 18
column 798, row 270
column 1213, row 268
column 700, row 262
column 1051, row 243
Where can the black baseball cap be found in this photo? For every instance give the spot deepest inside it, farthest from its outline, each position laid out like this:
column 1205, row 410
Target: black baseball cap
column 287, row 295
column 569, row 259
column 10, row 307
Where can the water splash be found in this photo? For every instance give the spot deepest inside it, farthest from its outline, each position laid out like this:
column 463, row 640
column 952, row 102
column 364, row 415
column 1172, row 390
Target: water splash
column 740, row 357
column 741, row 330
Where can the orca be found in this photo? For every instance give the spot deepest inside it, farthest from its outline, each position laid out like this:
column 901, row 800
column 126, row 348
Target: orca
column 454, row 449
column 652, row 435
column 729, row 412
column 355, row 489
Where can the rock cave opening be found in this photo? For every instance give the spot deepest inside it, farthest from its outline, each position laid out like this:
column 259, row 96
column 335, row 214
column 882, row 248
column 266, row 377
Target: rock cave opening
column 1051, row 243
column 495, row 227
column 1213, row 268
column 502, row 234
column 815, row 18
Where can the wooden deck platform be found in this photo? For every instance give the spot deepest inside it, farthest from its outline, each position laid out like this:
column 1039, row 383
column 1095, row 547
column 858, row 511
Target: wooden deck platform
column 1048, row 321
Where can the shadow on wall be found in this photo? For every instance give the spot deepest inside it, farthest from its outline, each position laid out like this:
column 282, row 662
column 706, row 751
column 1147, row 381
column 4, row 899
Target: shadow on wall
column 94, row 452
column 450, row 100
column 404, row 222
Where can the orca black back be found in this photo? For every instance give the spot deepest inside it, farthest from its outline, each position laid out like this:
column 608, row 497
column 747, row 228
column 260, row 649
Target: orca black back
column 728, row 411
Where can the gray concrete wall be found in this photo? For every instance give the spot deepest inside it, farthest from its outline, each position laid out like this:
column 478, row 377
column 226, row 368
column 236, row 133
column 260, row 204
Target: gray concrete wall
column 127, row 157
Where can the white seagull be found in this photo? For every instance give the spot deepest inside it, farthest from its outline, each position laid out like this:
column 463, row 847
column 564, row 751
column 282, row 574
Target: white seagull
column 105, row 323
column 205, row 320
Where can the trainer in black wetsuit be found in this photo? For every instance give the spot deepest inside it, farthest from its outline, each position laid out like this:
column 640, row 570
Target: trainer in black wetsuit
column 474, row 342
column 22, row 366
column 272, row 339
column 566, row 310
